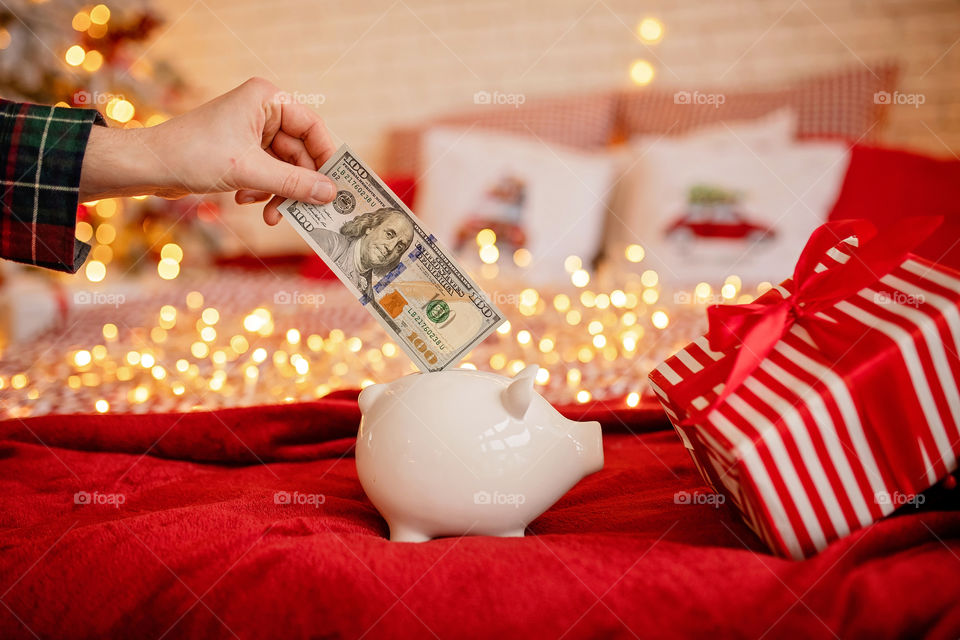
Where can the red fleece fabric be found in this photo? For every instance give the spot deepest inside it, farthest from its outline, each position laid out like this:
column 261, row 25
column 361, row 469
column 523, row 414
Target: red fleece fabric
column 200, row 549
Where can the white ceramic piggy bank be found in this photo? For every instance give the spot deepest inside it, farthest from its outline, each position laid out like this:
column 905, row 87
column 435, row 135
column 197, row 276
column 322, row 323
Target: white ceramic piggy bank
column 466, row 452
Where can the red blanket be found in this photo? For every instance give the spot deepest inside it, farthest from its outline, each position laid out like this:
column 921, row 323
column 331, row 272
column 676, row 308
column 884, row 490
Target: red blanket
column 186, row 540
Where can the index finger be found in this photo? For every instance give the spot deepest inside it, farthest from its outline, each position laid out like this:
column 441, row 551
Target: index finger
column 300, row 122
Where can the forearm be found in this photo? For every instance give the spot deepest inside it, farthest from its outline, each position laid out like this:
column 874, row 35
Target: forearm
column 120, row 162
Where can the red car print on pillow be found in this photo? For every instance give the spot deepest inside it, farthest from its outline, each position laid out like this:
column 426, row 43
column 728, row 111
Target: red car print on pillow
column 714, row 213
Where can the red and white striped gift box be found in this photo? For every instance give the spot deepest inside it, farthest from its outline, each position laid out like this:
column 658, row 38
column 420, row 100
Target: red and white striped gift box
column 853, row 411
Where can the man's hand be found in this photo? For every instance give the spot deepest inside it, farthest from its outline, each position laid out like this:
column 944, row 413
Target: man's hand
column 253, row 140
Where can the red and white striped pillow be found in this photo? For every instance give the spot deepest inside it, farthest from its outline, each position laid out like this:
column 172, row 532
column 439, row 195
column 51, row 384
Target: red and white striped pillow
column 581, row 121
column 836, row 105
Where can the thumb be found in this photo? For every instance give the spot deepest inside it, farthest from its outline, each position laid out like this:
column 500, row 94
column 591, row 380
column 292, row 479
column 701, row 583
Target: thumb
column 288, row 180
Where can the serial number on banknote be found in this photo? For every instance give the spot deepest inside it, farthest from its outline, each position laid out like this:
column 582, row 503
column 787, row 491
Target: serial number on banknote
column 396, row 268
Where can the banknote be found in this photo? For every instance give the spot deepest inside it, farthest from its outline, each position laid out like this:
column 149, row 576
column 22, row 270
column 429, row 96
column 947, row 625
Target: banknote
column 396, row 268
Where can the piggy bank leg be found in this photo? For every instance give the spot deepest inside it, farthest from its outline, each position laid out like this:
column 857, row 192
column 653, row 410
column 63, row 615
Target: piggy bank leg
column 403, row 533
column 514, row 533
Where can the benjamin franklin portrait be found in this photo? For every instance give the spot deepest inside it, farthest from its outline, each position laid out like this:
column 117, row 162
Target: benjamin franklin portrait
column 369, row 246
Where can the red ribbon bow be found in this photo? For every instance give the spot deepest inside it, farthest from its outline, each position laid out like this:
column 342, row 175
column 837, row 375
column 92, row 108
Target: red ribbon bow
column 757, row 327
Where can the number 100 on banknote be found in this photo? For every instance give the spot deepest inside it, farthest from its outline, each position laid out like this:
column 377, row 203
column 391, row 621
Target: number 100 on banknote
column 433, row 310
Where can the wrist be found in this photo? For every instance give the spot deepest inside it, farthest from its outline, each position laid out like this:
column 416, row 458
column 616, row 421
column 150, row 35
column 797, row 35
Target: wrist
column 119, row 162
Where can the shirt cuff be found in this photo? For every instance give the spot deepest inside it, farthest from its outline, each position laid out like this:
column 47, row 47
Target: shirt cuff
column 44, row 149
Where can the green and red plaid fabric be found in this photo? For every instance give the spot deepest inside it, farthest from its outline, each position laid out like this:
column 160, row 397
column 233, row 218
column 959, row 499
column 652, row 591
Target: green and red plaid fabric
column 42, row 152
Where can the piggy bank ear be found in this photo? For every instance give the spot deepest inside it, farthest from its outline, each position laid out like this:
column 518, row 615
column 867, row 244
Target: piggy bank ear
column 519, row 394
column 369, row 396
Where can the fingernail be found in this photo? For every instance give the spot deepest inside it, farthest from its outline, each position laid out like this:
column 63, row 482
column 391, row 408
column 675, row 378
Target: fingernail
column 323, row 191
column 247, row 199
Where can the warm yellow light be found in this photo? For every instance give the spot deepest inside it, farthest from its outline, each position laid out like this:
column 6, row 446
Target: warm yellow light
column 515, row 367
column 641, row 72
column 588, row 298
column 210, row 316
column 634, row 253
column 147, row 360
column 253, row 323
column 81, row 21
column 524, row 337
column 302, row 366
column 602, row 301
column 178, row 388
column 504, row 328
column 629, row 318
column 573, row 317
column 489, row 253
column 84, row 231
column 702, row 291
column 660, row 319
column 650, row 296
column 102, row 406
column 763, row 287
column 633, row 399
column 293, row 336
column 649, row 278
column 543, row 376
column 259, row 355
column 100, row 14
column 182, row 365
column 574, row 376
column 96, row 271
column 120, row 109
column 158, row 372
column 561, row 302
column 389, row 349
column 208, row 334
column 486, row 237
column 585, row 354
column 5, row 41
column 572, row 263
column 580, row 278
column 156, row 118
column 168, row 313
column 219, row 357
column 522, row 257
column 82, row 358
column 194, row 300
column 106, row 208
column 199, row 350
column 92, row 61
column 75, row 55
column 141, row 394
column 498, row 361
column 133, row 358
column 650, row 30
column 102, row 252
column 110, row 331
column 106, row 233
column 595, row 327
column 728, row 291
column 529, row 297
column 599, row 341
column 583, row 396
column 172, row 251
column 546, row 344
column 354, row 344
column 168, row 269
column 618, row 298
column 18, row 381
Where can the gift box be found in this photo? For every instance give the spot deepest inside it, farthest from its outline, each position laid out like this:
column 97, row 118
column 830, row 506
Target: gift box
column 832, row 399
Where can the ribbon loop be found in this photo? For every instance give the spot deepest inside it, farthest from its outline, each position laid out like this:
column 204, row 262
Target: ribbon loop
column 754, row 329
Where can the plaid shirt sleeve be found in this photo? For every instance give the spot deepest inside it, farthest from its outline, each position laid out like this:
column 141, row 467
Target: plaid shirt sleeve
column 42, row 152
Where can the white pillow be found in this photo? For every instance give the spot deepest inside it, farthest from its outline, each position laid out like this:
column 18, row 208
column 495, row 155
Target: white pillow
column 771, row 130
column 552, row 200
column 783, row 192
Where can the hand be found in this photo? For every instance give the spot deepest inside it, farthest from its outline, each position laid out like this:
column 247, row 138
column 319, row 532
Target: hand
column 252, row 140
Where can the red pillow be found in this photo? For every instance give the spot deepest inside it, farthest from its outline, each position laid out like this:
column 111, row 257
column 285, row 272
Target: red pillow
column 885, row 185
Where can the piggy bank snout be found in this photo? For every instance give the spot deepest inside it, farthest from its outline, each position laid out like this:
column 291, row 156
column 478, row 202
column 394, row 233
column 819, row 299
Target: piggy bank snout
column 589, row 437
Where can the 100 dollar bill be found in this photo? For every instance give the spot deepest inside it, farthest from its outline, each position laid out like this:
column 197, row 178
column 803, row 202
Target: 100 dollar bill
column 394, row 266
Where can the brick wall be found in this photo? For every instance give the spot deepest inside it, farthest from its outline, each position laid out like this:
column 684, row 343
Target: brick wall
column 380, row 63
